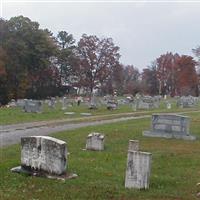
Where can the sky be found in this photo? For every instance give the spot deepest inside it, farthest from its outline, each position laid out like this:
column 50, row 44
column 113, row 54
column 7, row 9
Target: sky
column 142, row 29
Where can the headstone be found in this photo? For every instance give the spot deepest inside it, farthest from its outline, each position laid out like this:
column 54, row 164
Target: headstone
column 93, row 103
column 52, row 102
column 12, row 103
column 43, row 153
column 64, row 103
column 138, row 170
column 147, row 102
column 168, row 105
column 112, row 104
column 32, row 106
column 187, row 102
column 95, row 141
column 21, row 103
column 170, row 126
column 133, row 145
column 44, row 156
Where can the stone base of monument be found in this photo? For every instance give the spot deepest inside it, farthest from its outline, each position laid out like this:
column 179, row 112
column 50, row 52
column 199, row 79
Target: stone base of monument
column 168, row 135
column 38, row 173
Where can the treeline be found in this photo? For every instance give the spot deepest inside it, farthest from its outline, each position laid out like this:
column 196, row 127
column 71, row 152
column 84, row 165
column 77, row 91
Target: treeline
column 36, row 64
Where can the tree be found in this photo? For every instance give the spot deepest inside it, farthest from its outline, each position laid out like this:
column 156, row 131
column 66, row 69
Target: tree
column 131, row 80
column 95, row 60
column 29, row 50
column 166, row 73
column 187, row 78
column 150, row 82
column 65, row 54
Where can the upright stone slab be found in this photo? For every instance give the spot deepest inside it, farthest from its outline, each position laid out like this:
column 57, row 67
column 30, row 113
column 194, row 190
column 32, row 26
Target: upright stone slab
column 93, row 103
column 32, row 106
column 133, row 145
column 168, row 105
column 112, row 105
column 138, row 170
column 95, row 141
column 43, row 153
column 21, row 103
column 170, row 126
column 52, row 102
column 64, row 103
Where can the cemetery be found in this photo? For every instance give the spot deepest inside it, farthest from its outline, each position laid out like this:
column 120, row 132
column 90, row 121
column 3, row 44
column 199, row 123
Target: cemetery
column 118, row 157
column 88, row 112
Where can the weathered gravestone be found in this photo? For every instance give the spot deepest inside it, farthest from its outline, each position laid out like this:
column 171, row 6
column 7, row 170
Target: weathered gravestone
column 52, row 102
column 147, row 102
column 168, row 105
column 112, row 104
column 32, row 106
column 186, row 102
column 138, row 170
column 21, row 103
column 170, row 126
column 12, row 103
column 133, row 145
column 93, row 103
column 44, row 153
column 95, row 141
column 43, row 156
column 64, row 103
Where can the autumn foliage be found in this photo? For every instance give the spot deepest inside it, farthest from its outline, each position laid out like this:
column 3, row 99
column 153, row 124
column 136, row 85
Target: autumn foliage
column 36, row 64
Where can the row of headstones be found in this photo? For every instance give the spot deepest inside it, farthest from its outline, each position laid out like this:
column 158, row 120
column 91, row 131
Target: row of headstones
column 187, row 101
column 145, row 102
column 49, row 155
column 29, row 105
column 148, row 102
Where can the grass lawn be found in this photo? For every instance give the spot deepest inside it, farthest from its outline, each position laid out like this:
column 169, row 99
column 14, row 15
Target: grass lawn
column 16, row 115
column 175, row 167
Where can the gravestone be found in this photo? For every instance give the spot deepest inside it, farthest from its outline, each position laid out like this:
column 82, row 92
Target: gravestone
column 133, row 145
column 12, row 103
column 170, row 126
column 32, row 106
column 93, row 103
column 112, row 104
column 21, row 103
column 138, row 170
column 168, row 105
column 52, row 102
column 186, row 102
column 64, row 103
column 147, row 102
column 43, row 154
column 95, row 141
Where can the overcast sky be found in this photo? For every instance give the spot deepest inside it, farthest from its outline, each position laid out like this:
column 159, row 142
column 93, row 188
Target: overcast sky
column 143, row 31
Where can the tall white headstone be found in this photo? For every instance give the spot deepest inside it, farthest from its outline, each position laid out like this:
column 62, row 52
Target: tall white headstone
column 138, row 170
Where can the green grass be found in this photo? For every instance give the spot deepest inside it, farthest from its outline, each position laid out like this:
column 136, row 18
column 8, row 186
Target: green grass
column 16, row 115
column 175, row 167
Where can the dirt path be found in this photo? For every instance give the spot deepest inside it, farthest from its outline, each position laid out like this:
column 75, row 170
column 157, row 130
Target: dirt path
column 11, row 134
